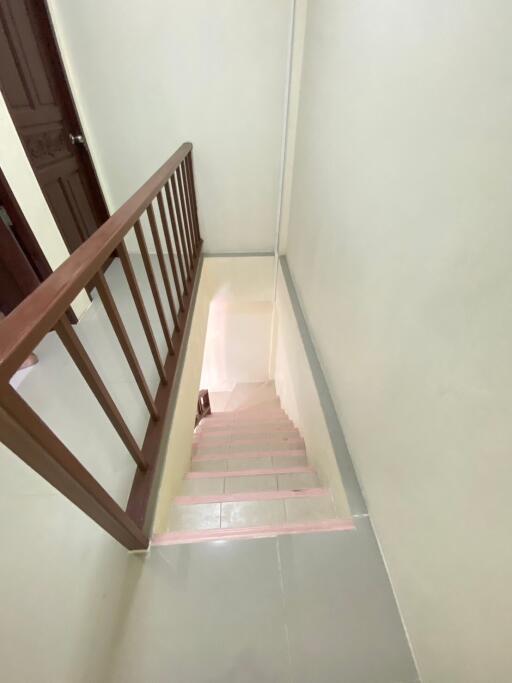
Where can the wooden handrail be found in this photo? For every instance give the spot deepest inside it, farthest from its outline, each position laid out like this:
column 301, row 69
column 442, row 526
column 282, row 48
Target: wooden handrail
column 24, row 328
column 23, row 431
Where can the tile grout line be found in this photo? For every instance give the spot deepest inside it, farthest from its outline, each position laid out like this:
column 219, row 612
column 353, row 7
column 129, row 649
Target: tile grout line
column 283, row 602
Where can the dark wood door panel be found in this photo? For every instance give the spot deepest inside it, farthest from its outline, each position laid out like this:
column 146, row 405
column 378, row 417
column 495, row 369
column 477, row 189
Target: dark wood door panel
column 35, row 89
column 63, row 205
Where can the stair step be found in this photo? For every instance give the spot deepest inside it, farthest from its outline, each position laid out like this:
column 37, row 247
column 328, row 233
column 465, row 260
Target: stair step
column 242, row 429
column 239, row 455
column 245, row 419
column 263, row 531
column 252, row 436
column 251, row 496
column 250, row 473
column 254, row 410
column 248, row 446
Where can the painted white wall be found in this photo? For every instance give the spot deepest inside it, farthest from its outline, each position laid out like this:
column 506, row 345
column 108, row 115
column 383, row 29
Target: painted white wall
column 22, row 181
column 296, row 389
column 148, row 76
column 237, row 346
column 292, row 114
column 399, row 243
column 234, row 281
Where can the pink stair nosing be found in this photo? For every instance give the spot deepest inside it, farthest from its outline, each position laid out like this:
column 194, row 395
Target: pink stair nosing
column 295, row 453
column 265, row 531
column 213, row 474
column 250, row 496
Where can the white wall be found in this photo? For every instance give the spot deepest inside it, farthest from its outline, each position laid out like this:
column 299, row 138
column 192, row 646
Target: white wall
column 149, row 76
column 23, row 183
column 399, row 243
column 296, row 389
column 237, row 345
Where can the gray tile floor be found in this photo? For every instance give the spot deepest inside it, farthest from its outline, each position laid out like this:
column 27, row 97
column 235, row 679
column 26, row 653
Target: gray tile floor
column 304, row 609
column 76, row 608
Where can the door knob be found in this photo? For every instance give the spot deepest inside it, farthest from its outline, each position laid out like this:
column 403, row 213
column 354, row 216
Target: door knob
column 77, row 139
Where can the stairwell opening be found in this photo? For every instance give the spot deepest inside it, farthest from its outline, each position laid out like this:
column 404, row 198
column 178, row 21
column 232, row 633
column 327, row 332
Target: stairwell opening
column 262, row 463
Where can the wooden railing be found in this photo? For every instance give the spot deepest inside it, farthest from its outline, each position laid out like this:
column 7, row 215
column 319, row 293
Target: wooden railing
column 22, row 430
column 203, row 405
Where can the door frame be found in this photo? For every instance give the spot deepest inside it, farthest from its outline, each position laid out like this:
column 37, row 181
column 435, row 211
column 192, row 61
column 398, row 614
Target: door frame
column 49, row 38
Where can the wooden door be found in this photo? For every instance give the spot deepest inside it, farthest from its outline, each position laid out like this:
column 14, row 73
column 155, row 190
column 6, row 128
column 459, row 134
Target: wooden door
column 22, row 263
column 34, row 86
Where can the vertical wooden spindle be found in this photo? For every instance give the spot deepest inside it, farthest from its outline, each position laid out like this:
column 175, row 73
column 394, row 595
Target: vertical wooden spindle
column 186, row 222
column 83, row 362
column 168, row 242
column 161, row 261
column 179, row 251
column 189, row 209
column 122, row 335
column 180, row 225
column 139, row 234
column 194, row 198
column 141, row 308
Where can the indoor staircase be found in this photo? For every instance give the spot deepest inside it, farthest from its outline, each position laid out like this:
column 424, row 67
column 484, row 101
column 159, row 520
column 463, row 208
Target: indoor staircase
column 249, row 476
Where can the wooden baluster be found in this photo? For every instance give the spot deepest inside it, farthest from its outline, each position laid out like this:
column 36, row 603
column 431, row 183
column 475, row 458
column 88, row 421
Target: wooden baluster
column 175, row 235
column 139, row 304
column 186, row 223
column 139, row 234
column 122, row 335
column 168, row 242
column 193, row 194
column 189, row 209
column 180, row 225
column 24, row 433
column 161, row 261
column 83, row 362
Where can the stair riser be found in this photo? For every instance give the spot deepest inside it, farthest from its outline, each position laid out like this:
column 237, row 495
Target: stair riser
column 250, row 496
column 269, row 531
column 242, row 431
column 231, row 437
column 247, row 446
column 245, row 419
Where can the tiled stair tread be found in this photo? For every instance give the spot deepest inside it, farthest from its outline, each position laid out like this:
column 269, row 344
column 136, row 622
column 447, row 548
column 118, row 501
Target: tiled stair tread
column 249, row 444
column 268, row 448
column 241, row 426
column 245, row 419
column 271, row 407
column 263, row 461
column 251, row 496
column 250, row 473
column 280, row 435
column 249, row 478
column 250, row 513
column 288, row 453
column 281, row 482
column 211, row 421
column 268, row 531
